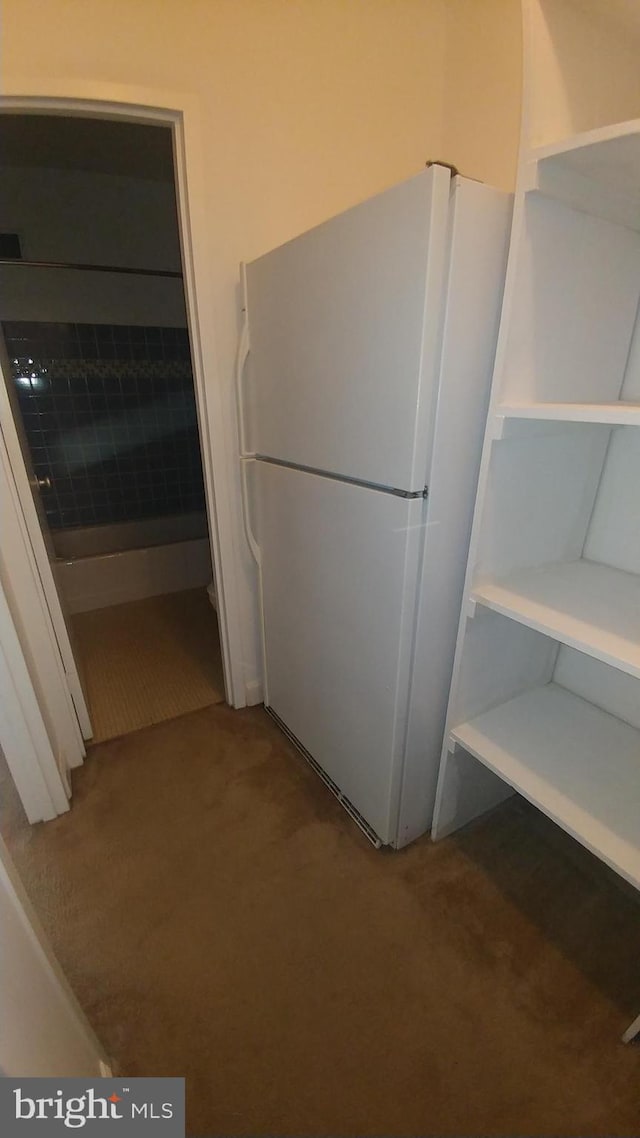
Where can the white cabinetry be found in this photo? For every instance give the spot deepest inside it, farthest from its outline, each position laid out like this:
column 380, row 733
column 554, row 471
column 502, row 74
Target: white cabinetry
column 546, row 690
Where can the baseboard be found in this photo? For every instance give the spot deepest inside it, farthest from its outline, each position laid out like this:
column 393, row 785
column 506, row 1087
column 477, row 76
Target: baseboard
column 254, row 692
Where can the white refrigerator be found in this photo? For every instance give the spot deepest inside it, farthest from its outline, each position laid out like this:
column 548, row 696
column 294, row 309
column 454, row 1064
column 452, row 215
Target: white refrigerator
column 363, row 381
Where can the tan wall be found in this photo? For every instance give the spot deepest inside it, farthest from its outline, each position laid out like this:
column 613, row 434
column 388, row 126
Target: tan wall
column 308, row 105
column 483, row 81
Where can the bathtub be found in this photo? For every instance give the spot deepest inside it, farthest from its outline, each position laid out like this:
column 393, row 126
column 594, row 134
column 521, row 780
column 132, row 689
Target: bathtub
column 97, row 566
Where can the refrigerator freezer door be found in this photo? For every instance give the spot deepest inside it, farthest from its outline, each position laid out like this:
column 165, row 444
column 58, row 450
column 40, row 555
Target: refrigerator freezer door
column 344, row 326
column 339, row 577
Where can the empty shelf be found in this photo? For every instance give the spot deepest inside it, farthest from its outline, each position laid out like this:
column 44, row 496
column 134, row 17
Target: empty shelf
column 609, row 155
column 588, row 606
column 597, row 172
column 576, row 763
column 619, row 413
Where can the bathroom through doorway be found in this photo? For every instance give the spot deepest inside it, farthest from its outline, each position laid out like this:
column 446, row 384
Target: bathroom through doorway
column 99, row 375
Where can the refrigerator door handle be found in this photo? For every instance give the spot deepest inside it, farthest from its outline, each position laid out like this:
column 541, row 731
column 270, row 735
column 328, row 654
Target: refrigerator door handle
column 245, row 455
column 256, row 552
column 241, row 359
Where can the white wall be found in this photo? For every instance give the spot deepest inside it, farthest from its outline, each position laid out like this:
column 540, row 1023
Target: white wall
column 42, row 1029
column 77, row 216
column 307, row 106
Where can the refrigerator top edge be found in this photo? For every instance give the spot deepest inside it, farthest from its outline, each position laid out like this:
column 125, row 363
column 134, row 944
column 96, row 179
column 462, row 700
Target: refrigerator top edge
column 419, row 176
column 456, row 181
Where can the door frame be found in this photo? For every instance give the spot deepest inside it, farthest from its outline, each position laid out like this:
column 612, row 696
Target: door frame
column 180, row 112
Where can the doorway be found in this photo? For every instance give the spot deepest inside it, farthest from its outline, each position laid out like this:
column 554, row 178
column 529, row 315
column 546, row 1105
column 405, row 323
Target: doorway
column 99, row 372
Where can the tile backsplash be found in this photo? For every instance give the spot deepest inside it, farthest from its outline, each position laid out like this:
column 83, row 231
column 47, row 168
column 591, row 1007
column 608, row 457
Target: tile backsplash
column 110, row 419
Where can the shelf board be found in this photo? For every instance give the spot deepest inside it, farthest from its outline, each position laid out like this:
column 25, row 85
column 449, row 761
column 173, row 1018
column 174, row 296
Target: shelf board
column 608, row 154
column 585, row 605
column 576, row 763
column 597, row 172
column 619, row 413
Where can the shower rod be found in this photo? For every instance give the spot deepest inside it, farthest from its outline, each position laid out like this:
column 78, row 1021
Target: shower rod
column 90, row 268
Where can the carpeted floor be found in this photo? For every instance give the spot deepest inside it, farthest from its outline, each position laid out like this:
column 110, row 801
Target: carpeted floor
column 149, row 660
column 220, row 917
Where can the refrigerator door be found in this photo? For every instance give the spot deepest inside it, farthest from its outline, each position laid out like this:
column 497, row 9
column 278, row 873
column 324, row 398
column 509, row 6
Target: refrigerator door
column 339, row 577
column 344, row 334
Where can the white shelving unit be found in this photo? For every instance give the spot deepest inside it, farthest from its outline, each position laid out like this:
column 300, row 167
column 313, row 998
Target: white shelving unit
column 545, row 698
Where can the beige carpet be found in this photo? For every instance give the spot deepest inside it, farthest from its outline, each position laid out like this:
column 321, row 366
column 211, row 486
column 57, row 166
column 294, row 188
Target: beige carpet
column 220, row 917
column 148, row 661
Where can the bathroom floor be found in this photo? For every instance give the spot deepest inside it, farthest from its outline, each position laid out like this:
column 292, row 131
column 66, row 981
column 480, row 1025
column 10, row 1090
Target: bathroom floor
column 147, row 661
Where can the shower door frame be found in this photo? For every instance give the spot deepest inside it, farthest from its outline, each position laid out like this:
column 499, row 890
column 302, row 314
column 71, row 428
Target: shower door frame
column 217, row 427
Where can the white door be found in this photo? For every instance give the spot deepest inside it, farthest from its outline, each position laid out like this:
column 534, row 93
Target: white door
column 343, row 330
column 339, row 577
column 38, row 535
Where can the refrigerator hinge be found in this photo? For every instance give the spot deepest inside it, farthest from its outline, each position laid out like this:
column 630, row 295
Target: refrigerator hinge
column 425, row 492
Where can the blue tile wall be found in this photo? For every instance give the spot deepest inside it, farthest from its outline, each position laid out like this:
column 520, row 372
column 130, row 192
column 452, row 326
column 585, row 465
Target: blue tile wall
column 110, row 418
